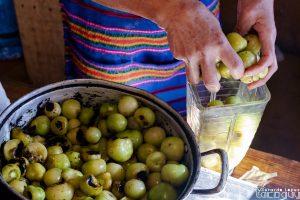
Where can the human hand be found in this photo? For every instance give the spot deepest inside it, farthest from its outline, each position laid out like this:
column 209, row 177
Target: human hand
column 259, row 15
column 196, row 37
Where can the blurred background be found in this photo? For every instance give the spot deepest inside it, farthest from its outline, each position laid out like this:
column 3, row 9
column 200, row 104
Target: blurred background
column 42, row 62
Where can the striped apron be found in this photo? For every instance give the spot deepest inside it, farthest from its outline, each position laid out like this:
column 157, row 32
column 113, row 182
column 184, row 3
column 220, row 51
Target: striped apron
column 103, row 43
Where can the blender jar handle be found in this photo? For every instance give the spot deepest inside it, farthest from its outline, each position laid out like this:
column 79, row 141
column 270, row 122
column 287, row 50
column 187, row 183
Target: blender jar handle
column 224, row 174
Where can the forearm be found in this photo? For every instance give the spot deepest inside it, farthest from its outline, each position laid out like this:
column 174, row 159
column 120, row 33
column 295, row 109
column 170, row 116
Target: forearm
column 263, row 5
column 155, row 10
column 194, row 36
column 271, row 2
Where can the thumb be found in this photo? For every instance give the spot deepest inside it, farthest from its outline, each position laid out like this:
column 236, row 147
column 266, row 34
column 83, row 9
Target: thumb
column 243, row 26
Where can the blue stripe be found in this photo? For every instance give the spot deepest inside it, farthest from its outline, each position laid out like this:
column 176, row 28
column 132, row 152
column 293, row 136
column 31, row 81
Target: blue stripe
column 113, row 32
column 179, row 105
column 105, row 58
column 172, row 94
column 98, row 18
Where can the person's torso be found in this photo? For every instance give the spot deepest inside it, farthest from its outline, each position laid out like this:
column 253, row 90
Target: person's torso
column 116, row 46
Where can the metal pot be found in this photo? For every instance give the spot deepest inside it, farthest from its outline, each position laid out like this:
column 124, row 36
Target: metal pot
column 96, row 91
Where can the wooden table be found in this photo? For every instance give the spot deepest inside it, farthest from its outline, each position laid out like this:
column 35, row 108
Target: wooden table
column 288, row 170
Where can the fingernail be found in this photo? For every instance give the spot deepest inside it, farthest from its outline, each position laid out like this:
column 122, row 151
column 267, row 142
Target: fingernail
column 237, row 75
column 248, row 74
column 250, row 87
column 212, row 87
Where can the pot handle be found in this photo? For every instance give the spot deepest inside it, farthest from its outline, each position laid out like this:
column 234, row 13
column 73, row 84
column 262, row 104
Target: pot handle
column 224, row 174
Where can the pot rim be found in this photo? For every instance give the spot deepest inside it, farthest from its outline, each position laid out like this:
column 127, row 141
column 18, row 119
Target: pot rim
column 123, row 88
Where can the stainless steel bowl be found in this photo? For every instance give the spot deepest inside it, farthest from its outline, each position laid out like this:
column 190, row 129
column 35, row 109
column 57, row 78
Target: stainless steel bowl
column 95, row 92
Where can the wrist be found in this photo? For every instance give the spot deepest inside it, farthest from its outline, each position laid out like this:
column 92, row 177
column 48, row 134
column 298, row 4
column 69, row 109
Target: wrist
column 171, row 10
column 255, row 4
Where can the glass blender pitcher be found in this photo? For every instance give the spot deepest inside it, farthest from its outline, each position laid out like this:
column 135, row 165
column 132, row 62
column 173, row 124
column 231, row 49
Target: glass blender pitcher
column 229, row 127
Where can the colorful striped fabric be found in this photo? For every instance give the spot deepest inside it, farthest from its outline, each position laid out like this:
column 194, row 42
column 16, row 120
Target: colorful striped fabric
column 107, row 44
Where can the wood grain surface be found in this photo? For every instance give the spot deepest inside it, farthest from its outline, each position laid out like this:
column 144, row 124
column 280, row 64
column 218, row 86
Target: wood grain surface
column 288, row 170
column 41, row 32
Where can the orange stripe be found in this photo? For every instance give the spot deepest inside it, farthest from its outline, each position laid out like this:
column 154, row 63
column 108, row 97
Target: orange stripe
column 120, row 41
column 216, row 10
column 164, row 38
column 125, row 77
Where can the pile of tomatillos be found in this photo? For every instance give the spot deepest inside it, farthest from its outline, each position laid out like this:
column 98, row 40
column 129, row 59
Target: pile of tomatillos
column 114, row 152
column 248, row 48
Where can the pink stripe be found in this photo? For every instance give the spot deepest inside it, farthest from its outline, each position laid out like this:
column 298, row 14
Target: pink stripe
column 159, row 80
column 101, row 50
column 127, row 66
column 106, row 12
column 111, row 28
column 212, row 3
column 182, row 112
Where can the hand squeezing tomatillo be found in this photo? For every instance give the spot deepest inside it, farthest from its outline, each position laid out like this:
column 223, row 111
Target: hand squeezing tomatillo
column 259, row 15
column 194, row 35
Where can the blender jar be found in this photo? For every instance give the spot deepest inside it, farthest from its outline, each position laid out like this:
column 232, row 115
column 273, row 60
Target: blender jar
column 229, row 127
